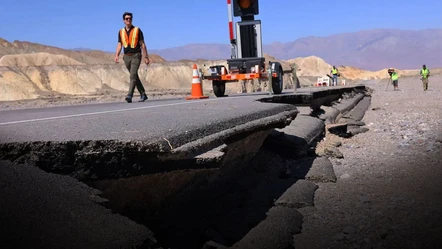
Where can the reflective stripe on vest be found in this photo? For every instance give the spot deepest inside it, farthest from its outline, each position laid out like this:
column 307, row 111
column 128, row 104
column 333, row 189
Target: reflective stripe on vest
column 132, row 39
column 424, row 72
column 394, row 76
column 335, row 71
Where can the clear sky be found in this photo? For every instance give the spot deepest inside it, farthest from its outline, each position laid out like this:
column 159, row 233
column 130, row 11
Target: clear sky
column 94, row 23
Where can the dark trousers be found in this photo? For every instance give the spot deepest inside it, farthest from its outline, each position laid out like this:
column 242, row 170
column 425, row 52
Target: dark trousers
column 425, row 83
column 335, row 80
column 132, row 63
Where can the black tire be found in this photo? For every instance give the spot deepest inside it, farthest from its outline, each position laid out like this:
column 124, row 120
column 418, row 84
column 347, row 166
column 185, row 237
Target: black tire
column 219, row 87
column 278, row 82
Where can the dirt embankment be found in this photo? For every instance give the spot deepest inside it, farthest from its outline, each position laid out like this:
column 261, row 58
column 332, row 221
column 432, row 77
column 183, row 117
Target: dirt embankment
column 38, row 75
column 30, row 71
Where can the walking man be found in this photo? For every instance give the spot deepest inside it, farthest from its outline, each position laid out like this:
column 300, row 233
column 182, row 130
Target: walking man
column 132, row 39
column 425, row 73
column 335, row 75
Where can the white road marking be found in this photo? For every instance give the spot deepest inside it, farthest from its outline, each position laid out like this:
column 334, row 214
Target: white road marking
column 119, row 110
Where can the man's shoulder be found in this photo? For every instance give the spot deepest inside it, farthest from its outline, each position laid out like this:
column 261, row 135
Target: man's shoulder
column 139, row 29
column 140, row 33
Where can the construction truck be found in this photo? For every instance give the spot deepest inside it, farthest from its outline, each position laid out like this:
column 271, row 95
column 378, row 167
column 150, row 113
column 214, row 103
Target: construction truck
column 247, row 60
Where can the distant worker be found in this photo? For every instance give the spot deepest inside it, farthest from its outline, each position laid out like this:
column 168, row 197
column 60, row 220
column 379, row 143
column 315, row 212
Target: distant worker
column 335, row 74
column 132, row 39
column 201, row 75
column 425, row 73
column 395, row 80
column 295, row 79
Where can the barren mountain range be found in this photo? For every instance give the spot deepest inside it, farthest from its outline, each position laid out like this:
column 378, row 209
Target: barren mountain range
column 369, row 49
column 31, row 71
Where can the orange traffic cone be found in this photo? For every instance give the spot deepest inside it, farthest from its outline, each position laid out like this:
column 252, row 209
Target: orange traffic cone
column 197, row 86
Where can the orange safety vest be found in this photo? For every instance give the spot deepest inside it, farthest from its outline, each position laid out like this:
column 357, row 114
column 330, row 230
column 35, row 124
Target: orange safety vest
column 132, row 39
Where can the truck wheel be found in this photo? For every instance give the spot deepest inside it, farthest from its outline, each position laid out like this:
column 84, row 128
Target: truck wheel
column 219, row 87
column 277, row 82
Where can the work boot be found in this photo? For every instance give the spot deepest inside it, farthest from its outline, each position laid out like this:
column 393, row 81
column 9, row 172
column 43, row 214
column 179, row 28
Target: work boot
column 143, row 97
column 128, row 99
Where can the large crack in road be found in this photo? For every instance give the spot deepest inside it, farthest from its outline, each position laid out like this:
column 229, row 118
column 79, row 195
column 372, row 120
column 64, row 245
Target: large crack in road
column 212, row 192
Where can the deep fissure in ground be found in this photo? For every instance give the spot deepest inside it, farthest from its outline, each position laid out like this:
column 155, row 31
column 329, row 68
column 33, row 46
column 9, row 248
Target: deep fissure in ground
column 206, row 206
column 223, row 210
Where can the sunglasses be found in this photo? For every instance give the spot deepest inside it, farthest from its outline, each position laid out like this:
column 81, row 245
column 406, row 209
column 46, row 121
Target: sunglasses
column 128, row 19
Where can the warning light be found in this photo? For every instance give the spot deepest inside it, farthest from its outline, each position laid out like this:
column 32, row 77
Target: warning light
column 245, row 7
column 244, row 4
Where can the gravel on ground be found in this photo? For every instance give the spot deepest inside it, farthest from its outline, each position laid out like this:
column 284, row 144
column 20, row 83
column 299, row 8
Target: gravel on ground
column 388, row 192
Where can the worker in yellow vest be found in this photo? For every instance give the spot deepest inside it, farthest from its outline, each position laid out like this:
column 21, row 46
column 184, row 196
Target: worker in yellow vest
column 335, row 74
column 425, row 73
column 395, row 80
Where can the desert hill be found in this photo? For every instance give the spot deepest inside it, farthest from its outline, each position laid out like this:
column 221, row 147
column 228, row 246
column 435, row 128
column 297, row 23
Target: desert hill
column 311, row 66
column 315, row 66
column 37, row 59
column 87, row 57
column 35, row 71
